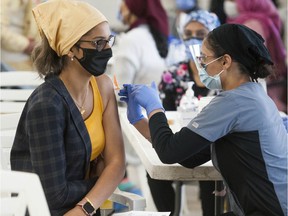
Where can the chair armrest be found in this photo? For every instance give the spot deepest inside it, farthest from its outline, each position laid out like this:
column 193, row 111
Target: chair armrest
column 132, row 201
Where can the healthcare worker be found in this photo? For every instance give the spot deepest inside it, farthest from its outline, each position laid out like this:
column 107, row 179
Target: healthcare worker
column 241, row 126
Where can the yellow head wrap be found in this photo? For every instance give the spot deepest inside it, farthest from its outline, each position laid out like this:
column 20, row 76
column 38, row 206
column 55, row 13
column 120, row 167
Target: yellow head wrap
column 64, row 22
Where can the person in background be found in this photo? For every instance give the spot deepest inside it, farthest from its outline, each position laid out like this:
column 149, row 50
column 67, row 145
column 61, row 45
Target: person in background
column 217, row 7
column 240, row 129
column 174, row 80
column 175, row 41
column 69, row 131
column 183, row 7
column 19, row 33
column 141, row 51
column 263, row 17
column 196, row 26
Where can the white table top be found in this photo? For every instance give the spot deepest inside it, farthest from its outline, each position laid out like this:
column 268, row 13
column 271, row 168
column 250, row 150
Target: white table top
column 151, row 161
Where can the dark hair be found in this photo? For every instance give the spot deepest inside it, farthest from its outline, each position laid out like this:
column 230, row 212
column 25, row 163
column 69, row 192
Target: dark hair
column 46, row 60
column 260, row 70
column 161, row 42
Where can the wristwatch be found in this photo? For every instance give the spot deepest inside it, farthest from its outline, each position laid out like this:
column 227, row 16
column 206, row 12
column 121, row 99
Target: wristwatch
column 88, row 207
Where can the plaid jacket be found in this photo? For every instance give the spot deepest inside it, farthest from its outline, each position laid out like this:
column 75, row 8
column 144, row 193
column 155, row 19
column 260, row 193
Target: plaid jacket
column 52, row 141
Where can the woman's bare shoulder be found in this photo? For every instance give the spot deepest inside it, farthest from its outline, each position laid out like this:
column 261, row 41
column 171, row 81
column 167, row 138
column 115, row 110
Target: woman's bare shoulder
column 105, row 81
column 105, row 87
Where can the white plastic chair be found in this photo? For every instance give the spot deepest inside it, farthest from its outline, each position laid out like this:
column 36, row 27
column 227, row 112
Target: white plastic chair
column 8, row 129
column 29, row 192
column 16, row 87
column 9, row 124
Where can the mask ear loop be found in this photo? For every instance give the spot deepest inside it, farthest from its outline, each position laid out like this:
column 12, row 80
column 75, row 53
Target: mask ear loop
column 212, row 61
column 78, row 46
column 217, row 75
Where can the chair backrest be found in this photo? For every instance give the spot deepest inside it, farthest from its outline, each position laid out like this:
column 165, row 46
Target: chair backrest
column 8, row 124
column 29, row 192
column 16, row 87
column 27, row 186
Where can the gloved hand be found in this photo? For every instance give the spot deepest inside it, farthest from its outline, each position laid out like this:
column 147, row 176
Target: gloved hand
column 285, row 122
column 134, row 112
column 147, row 97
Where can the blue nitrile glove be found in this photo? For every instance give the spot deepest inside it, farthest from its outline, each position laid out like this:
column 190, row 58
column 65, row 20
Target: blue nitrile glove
column 134, row 112
column 147, row 97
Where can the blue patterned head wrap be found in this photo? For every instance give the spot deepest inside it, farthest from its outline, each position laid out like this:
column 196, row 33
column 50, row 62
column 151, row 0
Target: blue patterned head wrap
column 209, row 20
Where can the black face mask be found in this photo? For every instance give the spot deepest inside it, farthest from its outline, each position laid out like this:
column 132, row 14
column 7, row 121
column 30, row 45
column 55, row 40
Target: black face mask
column 95, row 62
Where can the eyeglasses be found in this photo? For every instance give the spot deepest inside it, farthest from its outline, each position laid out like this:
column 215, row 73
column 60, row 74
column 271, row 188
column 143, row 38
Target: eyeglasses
column 101, row 43
column 203, row 58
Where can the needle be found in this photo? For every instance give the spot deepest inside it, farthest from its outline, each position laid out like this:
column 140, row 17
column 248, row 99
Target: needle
column 115, row 82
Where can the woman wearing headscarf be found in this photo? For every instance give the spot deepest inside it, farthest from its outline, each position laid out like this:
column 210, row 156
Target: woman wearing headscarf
column 196, row 26
column 240, row 129
column 183, row 7
column 263, row 17
column 69, row 131
column 141, row 51
column 173, row 83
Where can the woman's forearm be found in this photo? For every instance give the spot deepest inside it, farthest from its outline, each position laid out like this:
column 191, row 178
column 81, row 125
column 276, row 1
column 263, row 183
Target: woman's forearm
column 106, row 183
column 143, row 127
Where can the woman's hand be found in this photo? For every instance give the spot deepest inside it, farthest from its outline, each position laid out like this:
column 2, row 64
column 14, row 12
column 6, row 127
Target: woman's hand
column 134, row 112
column 145, row 96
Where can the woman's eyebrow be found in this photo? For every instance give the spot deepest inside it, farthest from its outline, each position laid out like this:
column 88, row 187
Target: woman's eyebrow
column 100, row 37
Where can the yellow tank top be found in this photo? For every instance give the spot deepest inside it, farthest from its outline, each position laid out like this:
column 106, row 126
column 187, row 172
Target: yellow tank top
column 94, row 123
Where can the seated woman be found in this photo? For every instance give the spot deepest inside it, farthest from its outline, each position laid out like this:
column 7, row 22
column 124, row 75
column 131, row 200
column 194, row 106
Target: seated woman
column 69, row 131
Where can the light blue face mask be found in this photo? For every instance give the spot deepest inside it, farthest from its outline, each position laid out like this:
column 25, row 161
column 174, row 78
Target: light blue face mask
column 211, row 82
column 189, row 42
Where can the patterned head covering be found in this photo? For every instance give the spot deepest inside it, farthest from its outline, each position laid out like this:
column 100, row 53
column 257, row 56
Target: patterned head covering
column 64, row 22
column 209, row 20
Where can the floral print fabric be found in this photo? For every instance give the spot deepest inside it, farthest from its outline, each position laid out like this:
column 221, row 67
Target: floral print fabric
column 174, row 82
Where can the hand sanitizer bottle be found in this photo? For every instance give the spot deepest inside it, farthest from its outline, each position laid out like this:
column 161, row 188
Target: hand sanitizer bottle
column 188, row 106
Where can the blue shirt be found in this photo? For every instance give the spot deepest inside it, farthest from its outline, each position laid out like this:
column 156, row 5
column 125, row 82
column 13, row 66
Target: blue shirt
column 250, row 145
